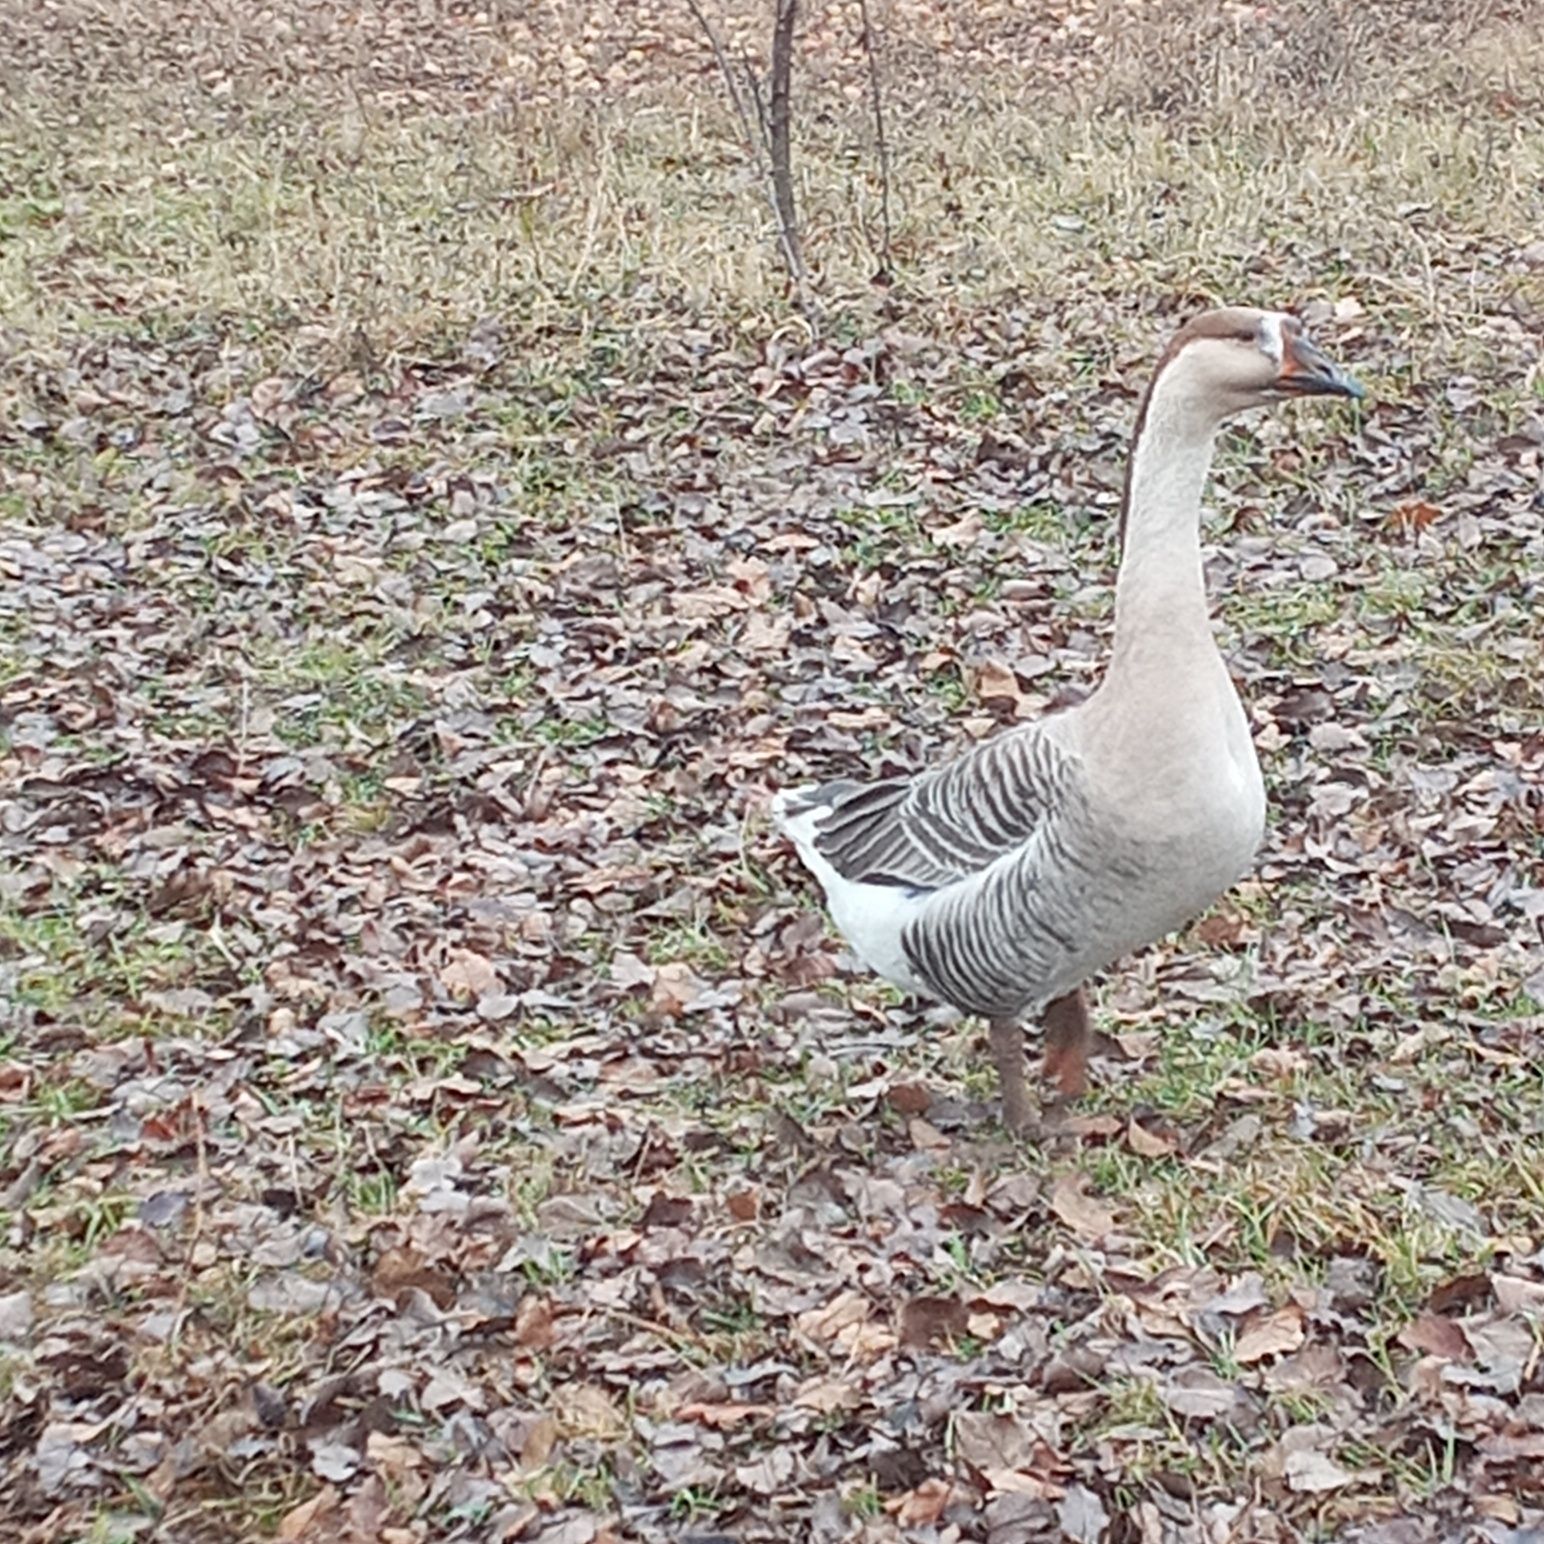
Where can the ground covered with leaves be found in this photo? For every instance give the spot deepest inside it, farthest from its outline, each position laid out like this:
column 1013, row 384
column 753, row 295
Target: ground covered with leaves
column 432, row 1105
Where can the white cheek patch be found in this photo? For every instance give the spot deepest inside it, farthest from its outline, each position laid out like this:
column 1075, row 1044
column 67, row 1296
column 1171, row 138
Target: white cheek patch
column 1271, row 342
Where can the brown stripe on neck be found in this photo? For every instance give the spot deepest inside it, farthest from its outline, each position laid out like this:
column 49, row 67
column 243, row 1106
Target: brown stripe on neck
column 1228, row 322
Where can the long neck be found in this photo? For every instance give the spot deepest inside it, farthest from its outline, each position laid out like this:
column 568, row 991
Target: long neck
column 1160, row 593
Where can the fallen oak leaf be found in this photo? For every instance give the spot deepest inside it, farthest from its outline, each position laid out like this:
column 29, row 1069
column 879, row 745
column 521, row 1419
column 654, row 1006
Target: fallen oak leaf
column 909, row 1098
column 1082, row 1515
column 1273, row 1335
column 1515, row 1293
column 925, row 1136
column 1506, row 1446
column 400, row 1270
column 1197, row 1392
column 725, row 1415
column 830, row 1319
column 1220, row 930
column 962, row 533
column 1089, row 1126
column 665, row 1211
column 991, row 1442
column 922, row 1507
column 1466, row 1291
column 675, row 988
column 928, row 1321
column 825, row 1396
column 627, row 971
column 1315, row 1471
column 533, row 1324
column 1278, row 1062
column 1081, row 1212
column 996, row 684
column 1504, row 1352
column 1413, row 515
column 538, row 1438
column 743, row 1204
column 470, row 975
column 769, row 1473
column 298, row 1521
column 1433, row 1335
column 1147, row 1144
column 336, row 1462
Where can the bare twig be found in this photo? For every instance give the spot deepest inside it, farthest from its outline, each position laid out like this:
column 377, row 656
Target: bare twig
column 753, row 90
column 787, row 238
column 879, row 135
column 781, row 134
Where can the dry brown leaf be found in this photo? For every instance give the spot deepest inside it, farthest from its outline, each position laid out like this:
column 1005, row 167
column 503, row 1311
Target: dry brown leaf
column 1313, row 1470
column 927, row 1322
column 589, row 1412
column 469, row 975
column 297, row 1524
column 1083, row 1213
column 1281, row 1062
column 1082, row 1516
column 1090, row 1126
column 996, row 683
column 533, row 1324
column 1436, row 1336
column 1516, row 1294
column 925, row 1136
column 1508, row 1447
column 991, row 1442
column 627, row 970
column 1197, row 1392
column 827, row 1395
column 826, row 1322
column 1413, row 515
column 538, row 1440
column 909, row 1098
column 922, row 1507
column 744, row 1205
column 1271, row 1335
column 769, row 1472
column 393, row 1456
column 1464, row 1291
column 962, row 533
column 399, row 1270
column 676, row 987
column 1221, row 929
column 1138, row 1045
column 723, row 1417
column 1145, row 1143
column 1011, row 1295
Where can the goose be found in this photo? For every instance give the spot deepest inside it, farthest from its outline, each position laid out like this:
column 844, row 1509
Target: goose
column 1000, row 881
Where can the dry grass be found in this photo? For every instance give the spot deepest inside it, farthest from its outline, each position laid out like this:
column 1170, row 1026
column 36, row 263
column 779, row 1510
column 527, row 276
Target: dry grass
column 347, row 199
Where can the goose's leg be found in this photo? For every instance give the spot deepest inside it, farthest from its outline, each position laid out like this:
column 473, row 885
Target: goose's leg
column 1008, row 1053
column 1067, row 1035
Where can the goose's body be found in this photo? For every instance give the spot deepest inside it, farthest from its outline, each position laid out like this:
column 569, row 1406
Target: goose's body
column 1003, row 880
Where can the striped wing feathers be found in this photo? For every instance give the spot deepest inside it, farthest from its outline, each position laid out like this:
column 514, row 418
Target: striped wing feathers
column 944, row 825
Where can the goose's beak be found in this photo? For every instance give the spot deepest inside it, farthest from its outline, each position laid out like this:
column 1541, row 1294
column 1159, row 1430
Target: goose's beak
column 1305, row 372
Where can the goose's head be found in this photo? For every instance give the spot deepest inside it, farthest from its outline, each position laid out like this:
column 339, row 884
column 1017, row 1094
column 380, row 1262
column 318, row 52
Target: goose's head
column 1225, row 361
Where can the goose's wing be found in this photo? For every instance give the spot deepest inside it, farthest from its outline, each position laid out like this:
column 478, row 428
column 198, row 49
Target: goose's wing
column 940, row 826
